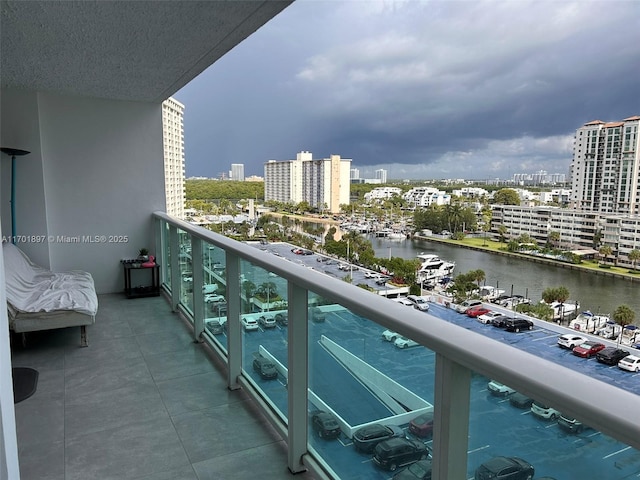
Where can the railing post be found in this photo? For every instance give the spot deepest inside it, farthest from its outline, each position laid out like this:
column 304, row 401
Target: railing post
column 451, row 419
column 234, row 325
column 298, row 376
column 198, row 294
column 174, row 248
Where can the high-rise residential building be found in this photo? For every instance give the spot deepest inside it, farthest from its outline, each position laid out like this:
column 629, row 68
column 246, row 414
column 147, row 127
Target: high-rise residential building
column 605, row 172
column 381, row 175
column 355, row 174
column 323, row 183
column 173, row 140
column 237, row 172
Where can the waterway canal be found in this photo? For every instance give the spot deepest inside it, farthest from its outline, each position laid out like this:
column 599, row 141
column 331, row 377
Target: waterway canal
column 594, row 292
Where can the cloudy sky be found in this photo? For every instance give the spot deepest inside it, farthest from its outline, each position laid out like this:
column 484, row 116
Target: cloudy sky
column 424, row 89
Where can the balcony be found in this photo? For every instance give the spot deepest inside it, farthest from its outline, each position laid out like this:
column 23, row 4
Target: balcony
column 158, row 391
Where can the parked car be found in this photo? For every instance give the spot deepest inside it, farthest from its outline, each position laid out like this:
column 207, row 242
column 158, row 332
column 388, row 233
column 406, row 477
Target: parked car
column 570, row 424
column 213, row 298
column 366, row 438
column 317, row 315
column 404, row 342
column 611, row 355
column 267, row 321
column 544, row 411
column 390, row 335
column 489, row 316
column 518, row 324
column 570, row 341
column 630, row 363
column 588, row 349
column 467, row 304
column 398, row 452
column 403, row 301
column 499, row 389
column 325, row 425
column 209, row 288
column 419, row 303
column 216, row 325
column 282, row 319
column 505, row 468
column 422, row 425
column 250, row 324
column 500, row 322
column 265, row 368
column 520, row 400
column 477, row 311
column 420, row 470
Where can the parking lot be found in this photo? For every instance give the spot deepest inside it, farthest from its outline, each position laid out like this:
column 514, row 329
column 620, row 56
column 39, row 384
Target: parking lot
column 496, row 426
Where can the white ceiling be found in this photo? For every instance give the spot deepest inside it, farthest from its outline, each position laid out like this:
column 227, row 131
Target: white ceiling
column 127, row 50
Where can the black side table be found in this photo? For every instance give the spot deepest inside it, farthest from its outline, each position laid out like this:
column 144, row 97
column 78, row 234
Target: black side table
column 152, row 290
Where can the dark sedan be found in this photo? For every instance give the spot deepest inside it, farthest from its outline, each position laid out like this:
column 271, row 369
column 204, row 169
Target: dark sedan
column 366, row 438
column 611, row 355
column 518, row 324
column 325, row 425
column 512, row 468
column 421, row 470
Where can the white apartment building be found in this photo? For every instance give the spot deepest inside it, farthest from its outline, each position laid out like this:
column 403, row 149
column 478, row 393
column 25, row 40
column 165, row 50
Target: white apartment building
column 471, row 192
column 426, row 196
column 237, row 172
column 173, row 141
column 605, row 172
column 381, row 174
column 324, row 183
column 381, row 193
column 355, row 174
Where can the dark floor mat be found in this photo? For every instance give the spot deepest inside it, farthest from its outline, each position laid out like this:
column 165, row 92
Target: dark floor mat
column 25, row 382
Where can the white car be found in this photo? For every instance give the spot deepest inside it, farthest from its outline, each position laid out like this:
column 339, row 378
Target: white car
column 544, row 411
column 631, row 363
column 404, row 342
column 570, row 341
column 466, row 305
column 499, row 389
column 419, row 303
column 267, row 321
column 250, row 324
column 403, row 301
column 488, row 317
column 213, row 298
column 390, row 335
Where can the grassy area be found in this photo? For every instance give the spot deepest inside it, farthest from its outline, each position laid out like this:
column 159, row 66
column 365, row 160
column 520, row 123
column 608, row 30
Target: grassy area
column 491, row 245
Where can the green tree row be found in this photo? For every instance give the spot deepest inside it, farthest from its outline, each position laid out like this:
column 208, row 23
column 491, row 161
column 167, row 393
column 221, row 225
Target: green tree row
column 217, row 189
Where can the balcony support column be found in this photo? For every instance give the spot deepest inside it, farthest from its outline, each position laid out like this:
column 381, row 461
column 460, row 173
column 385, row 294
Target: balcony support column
column 176, row 280
column 451, row 419
column 298, row 376
column 234, row 324
column 198, row 294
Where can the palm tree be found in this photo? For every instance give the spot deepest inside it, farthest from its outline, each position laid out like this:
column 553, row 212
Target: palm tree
column 623, row 315
column 634, row 256
column 554, row 238
column 605, row 251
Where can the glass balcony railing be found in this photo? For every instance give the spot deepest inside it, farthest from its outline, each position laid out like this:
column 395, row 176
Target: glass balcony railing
column 337, row 368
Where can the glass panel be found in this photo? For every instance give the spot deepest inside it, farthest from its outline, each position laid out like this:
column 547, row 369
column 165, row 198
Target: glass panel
column 370, row 394
column 215, row 292
column 186, row 270
column 505, row 423
column 264, row 326
column 165, row 255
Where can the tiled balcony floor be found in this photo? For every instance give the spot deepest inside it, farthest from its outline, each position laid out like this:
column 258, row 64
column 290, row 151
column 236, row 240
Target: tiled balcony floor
column 141, row 402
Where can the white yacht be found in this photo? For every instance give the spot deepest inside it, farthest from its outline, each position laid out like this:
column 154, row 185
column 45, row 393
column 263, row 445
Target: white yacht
column 588, row 322
column 433, row 267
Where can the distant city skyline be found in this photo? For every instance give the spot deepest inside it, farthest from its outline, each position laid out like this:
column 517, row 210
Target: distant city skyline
column 421, row 89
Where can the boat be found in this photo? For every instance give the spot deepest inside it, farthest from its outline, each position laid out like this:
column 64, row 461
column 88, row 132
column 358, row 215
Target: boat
column 433, row 268
column 610, row 331
column 629, row 335
column 396, row 235
column 567, row 309
column 587, row 322
column 489, row 293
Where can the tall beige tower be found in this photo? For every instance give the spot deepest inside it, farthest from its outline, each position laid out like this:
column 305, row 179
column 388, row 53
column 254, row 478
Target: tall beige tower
column 173, row 140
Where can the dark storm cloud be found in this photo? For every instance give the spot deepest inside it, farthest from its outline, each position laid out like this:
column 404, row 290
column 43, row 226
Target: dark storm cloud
column 452, row 88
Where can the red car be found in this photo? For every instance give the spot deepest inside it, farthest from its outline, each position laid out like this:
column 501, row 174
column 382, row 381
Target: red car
column 588, row 349
column 477, row 311
column 422, row 425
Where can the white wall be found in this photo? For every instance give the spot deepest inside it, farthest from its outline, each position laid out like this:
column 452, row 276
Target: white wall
column 102, row 170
